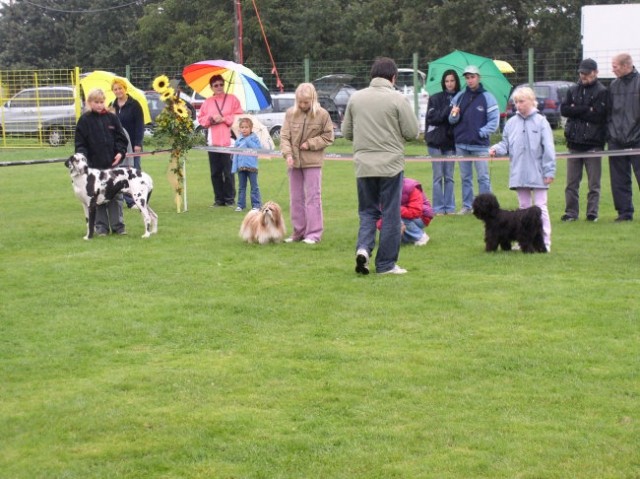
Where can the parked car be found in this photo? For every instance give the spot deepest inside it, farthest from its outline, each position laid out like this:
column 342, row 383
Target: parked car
column 338, row 87
column 196, row 100
column 550, row 95
column 404, row 80
column 273, row 117
column 49, row 111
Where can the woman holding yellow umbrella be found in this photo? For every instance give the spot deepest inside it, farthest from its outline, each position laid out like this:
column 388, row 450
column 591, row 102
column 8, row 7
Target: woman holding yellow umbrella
column 130, row 114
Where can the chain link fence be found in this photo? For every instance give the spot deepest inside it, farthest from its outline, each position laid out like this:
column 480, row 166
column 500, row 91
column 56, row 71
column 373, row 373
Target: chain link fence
column 38, row 107
column 41, row 107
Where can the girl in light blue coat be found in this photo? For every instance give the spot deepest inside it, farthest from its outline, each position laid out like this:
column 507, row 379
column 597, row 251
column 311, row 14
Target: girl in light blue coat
column 528, row 140
column 246, row 166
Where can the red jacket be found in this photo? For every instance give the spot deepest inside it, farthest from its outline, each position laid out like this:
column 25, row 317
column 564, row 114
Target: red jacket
column 414, row 203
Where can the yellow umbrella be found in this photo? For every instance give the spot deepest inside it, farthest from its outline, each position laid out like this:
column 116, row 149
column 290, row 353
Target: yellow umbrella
column 504, row 67
column 101, row 79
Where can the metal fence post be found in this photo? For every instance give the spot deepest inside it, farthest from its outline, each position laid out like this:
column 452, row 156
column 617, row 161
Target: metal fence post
column 307, row 69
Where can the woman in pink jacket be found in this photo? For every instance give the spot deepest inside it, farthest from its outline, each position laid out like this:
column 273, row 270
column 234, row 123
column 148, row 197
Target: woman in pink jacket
column 217, row 113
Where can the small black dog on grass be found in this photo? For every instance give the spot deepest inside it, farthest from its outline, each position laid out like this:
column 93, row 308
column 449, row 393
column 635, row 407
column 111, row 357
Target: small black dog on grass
column 502, row 227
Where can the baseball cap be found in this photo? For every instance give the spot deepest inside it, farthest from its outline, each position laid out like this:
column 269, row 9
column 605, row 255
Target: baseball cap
column 587, row 66
column 472, row 70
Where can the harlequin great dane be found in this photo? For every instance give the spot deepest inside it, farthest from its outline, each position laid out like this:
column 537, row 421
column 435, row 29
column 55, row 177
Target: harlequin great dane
column 95, row 187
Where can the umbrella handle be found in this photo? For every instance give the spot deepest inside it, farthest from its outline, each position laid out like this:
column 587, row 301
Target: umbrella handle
column 230, row 82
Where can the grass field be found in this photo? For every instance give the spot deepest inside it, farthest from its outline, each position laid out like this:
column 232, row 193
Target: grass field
column 193, row 355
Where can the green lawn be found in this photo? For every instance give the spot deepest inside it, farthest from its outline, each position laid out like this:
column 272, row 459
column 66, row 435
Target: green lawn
column 194, row 355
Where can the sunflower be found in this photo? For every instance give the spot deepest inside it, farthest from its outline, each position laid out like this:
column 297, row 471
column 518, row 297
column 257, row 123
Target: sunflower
column 161, row 83
column 180, row 110
column 167, row 94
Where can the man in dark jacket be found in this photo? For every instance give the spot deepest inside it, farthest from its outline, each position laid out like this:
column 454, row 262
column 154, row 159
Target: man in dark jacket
column 623, row 129
column 586, row 110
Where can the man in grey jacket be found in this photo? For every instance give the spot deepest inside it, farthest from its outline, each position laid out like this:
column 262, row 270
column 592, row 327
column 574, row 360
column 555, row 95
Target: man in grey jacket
column 379, row 120
column 623, row 128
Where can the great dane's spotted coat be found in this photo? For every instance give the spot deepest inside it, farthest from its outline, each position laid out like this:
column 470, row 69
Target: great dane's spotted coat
column 95, row 187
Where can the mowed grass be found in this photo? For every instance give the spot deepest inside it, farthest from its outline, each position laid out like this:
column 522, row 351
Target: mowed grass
column 194, row 355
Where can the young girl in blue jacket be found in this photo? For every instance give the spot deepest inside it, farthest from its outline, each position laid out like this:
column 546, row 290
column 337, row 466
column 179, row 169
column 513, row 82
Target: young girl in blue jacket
column 246, row 166
column 528, row 140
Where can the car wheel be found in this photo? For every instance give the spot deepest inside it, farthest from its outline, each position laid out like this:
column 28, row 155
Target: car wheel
column 275, row 133
column 56, row 136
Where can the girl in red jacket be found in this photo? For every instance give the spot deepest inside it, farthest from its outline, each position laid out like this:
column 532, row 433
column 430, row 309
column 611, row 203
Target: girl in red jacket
column 415, row 211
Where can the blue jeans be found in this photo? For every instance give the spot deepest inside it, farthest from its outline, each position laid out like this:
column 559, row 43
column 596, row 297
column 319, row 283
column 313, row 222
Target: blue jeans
column 379, row 197
column 444, row 200
column 252, row 176
column 413, row 230
column 466, row 172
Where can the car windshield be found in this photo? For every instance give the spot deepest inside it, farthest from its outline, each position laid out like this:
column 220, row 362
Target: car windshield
column 542, row 91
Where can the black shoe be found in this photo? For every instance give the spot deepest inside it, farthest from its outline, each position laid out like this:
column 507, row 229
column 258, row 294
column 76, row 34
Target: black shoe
column 567, row 218
column 620, row 219
column 592, row 218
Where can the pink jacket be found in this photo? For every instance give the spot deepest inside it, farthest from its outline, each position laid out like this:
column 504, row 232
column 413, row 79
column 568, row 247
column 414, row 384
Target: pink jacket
column 226, row 105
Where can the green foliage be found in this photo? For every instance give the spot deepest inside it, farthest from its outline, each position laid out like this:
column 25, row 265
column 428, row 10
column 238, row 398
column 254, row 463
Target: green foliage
column 167, row 32
column 194, row 355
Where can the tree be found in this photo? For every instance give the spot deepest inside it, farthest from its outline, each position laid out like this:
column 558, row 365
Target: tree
column 33, row 37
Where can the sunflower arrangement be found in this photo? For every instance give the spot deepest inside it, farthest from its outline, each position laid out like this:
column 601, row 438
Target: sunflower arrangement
column 174, row 124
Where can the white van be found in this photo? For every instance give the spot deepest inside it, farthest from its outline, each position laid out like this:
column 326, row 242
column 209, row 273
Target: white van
column 48, row 112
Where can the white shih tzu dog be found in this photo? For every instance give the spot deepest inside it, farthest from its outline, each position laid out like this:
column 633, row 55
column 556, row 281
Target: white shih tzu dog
column 264, row 225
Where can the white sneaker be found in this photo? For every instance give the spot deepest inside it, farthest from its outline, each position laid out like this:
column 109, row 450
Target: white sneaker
column 395, row 270
column 309, row 241
column 289, row 240
column 362, row 261
column 515, row 247
column 422, row 241
column 238, row 209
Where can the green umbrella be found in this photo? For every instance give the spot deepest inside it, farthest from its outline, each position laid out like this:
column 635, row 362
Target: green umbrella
column 490, row 76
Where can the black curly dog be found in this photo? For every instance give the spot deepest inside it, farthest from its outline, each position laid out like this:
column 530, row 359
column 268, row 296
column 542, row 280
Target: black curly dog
column 502, row 227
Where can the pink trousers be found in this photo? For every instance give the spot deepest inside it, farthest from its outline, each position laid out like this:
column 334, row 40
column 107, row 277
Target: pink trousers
column 305, row 202
column 539, row 199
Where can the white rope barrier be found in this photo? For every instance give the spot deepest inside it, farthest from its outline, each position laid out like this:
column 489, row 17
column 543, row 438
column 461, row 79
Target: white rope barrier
column 262, row 153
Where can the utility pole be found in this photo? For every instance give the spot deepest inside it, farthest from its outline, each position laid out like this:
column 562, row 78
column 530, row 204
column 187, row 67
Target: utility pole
column 237, row 43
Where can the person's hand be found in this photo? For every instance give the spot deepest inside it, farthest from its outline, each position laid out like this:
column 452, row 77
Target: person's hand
column 116, row 159
column 137, row 149
column 548, row 181
column 304, row 146
column 455, row 111
column 211, row 121
column 289, row 161
column 492, row 152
